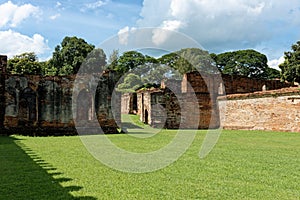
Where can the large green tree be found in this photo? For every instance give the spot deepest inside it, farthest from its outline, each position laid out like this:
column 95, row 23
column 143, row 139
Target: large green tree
column 94, row 62
column 131, row 83
column 189, row 59
column 248, row 63
column 69, row 55
column 113, row 59
column 290, row 68
column 128, row 61
column 133, row 64
column 26, row 63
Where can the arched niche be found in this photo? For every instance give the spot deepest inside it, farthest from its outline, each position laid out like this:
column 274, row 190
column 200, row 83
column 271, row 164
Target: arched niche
column 84, row 106
column 49, row 101
column 27, row 106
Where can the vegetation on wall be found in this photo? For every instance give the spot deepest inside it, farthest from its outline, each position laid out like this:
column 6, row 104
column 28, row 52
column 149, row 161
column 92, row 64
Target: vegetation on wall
column 26, row 63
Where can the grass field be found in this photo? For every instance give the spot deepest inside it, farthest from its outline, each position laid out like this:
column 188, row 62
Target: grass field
column 243, row 165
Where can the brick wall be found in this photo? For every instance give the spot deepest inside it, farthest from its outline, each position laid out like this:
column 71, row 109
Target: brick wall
column 129, row 103
column 192, row 103
column 44, row 105
column 206, row 83
column 3, row 63
column 185, row 110
column 240, row 84
column 272, row 110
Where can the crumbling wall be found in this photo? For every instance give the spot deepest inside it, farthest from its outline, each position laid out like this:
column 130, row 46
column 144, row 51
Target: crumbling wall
column 194, row 82
column 192, row 103
column 230, row 84
column 3, row 63
column 144, row 106
column 37, row 105
column 183, row 110
column 240, row 84
column 160, row 115
column 129, row 103
column 277, row 110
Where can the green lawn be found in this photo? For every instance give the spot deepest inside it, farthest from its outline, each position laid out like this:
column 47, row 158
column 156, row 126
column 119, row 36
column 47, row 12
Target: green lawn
column 243, row 165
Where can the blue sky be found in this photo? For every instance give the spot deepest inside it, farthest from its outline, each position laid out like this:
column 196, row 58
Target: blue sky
column 269, row 26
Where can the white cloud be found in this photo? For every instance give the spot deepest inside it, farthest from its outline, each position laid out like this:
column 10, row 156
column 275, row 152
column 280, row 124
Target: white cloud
column 161, row 34
column 219, row 25
column 14, row 43
column 53, row 17
column 11, row 14
column 58, row 4
column 124, row 33
column 276, row 62
column 93, row 6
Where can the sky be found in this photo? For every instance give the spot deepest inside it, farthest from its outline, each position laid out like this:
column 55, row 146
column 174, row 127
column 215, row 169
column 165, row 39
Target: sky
column 268, row 26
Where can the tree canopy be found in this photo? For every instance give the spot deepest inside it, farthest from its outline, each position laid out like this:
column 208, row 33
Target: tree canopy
column 69, row 55
column 189, row 59
column 248, row 63
column 128, row 61
column 74, row 52
column 131, row 83
column 133, row 67
column 94, row 62
column 290, row 68
column 26, row 63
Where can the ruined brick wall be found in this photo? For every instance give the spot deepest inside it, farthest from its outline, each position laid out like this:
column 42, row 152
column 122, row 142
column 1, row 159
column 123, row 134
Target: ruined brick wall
column 207, row 83
column 44, row 105
column 239, row 84
column 3, row 63
column 144, row 105
column 125, row 98
column 192, row 103
column 129, row 103
column 186, row 110
column 272, row 110
column 159, row 108
column 206, row 88
column 173, row 85
column 194, row 82
column 192, row 111
column 160, row 111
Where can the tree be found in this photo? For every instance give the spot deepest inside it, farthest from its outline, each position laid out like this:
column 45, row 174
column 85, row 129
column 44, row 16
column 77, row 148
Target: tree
column 113, row 59
column 68, row 57
column 131, row 83
column 290, row 68
column 248, row 63
column 94, row 62
column 189, row 59
column 47, row 70
column 135, row 63
column 128, row 61
column 273, row 73
column 26, row 63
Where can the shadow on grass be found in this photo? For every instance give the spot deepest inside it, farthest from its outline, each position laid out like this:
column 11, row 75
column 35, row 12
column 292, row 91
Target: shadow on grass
column 129, row 125
column 26, row 176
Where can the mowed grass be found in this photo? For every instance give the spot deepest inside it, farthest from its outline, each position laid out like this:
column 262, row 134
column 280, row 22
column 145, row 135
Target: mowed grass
column 243, row 165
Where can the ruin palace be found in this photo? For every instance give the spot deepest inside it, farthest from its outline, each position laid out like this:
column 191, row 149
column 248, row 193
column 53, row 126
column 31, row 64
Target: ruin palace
column 53, row 105
column 192, row 102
